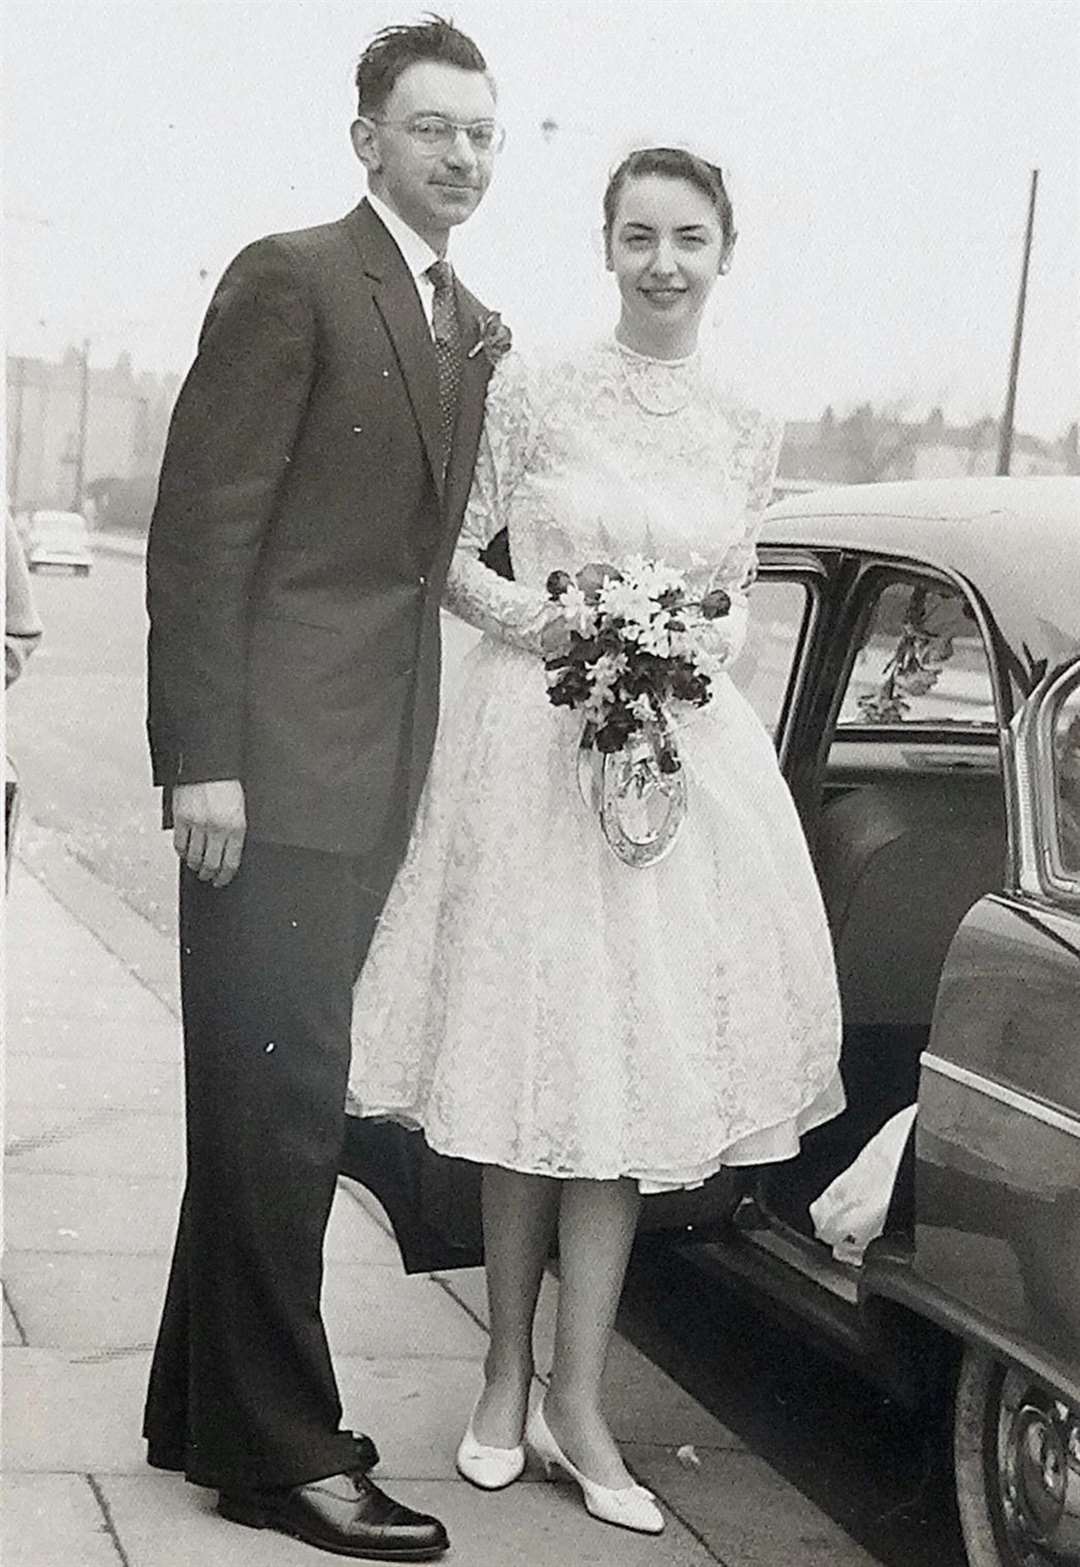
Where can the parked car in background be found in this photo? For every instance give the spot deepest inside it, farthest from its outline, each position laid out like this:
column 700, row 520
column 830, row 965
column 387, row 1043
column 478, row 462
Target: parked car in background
column 915, row 650
column 58, row 538
column 22, row 633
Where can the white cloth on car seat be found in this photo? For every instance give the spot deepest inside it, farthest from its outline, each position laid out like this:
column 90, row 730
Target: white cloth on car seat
column 851, row 1210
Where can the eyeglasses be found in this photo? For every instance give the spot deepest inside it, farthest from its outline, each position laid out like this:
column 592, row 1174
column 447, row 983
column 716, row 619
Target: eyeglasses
column 434, row 133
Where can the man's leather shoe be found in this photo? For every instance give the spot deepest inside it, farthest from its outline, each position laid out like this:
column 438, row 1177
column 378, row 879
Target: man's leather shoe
column 345, row 1513
column 367, row 1454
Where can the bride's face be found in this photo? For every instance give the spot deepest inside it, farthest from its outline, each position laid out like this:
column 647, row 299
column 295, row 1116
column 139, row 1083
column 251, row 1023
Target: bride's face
column 665, row 249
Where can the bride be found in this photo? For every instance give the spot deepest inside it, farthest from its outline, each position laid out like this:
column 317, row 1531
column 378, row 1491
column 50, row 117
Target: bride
column 585, row 1030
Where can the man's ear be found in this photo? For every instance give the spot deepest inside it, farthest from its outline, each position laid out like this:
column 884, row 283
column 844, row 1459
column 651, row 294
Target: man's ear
column 609, row 262
column 365, row 145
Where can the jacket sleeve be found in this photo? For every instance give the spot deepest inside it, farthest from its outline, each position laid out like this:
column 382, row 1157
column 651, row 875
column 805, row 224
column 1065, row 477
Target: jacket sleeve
column 230, row 440
column 474, row 592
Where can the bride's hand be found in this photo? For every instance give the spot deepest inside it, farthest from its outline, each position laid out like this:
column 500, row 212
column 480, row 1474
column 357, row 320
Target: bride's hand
column 555, row 635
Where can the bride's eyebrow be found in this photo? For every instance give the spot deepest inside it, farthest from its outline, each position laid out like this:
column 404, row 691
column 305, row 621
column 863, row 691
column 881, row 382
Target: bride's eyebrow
column 635, row 227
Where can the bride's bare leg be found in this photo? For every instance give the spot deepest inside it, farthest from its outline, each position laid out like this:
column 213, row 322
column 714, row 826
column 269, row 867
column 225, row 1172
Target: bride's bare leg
column 597, row 1220
column 519, row 1222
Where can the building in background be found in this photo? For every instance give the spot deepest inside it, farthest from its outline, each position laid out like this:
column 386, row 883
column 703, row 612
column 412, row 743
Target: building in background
column 872, row 444
column 121, row 438
column 82, row 438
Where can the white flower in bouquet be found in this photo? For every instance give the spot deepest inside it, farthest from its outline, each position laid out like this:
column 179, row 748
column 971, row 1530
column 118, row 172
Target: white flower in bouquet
column 607, row 669
column 655, row 638
column 630, row 602
column 577, row 612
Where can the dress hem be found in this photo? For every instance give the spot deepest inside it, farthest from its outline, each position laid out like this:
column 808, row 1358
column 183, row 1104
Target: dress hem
column 784, row 1136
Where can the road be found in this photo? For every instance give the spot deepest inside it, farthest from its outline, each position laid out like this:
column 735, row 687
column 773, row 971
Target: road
column 75, row 731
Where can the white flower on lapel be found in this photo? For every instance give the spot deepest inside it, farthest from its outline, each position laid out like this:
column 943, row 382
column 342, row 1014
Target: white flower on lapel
column 495, row 338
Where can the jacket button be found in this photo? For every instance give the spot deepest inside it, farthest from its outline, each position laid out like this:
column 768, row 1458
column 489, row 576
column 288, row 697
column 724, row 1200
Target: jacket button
column 423, row 580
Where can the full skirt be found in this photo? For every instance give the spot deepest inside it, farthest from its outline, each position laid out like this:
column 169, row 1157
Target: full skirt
column 531, row 1001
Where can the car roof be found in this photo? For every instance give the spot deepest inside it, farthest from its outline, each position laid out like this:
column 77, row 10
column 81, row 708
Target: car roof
column 1016, row 540
column 954, row 503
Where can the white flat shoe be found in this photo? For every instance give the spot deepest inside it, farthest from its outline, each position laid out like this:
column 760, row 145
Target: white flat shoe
column 628, row 1506
column 490, row 1468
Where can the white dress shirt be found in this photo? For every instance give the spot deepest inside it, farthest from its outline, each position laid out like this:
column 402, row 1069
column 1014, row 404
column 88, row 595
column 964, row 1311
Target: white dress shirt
column 416, row 252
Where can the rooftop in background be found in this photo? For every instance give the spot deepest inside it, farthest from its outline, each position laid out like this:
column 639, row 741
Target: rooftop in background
column 868, row 446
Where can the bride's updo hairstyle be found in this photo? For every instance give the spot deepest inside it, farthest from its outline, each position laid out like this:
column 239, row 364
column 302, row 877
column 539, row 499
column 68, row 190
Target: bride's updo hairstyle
column 673, row 163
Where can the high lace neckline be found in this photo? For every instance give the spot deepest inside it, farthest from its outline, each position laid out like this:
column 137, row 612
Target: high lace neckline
column 633, row 354
column 660, row 388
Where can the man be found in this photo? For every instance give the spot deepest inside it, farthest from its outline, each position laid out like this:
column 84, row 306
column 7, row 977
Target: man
column 314, row 481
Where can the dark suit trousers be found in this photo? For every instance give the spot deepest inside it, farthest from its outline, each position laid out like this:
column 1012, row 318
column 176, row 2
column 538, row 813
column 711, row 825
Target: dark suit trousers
column 242, row 1391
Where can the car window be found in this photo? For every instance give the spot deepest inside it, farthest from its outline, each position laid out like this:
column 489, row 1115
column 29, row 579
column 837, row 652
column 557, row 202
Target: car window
column 1066, row 752
column 921, row 662
column 779, row 613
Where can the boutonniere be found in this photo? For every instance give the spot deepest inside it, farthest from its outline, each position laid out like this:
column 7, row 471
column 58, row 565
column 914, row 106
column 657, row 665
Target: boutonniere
column 495, row 338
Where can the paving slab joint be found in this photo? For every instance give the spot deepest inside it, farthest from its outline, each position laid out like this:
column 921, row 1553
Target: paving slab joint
column 107, row 1517
column 14, row 1315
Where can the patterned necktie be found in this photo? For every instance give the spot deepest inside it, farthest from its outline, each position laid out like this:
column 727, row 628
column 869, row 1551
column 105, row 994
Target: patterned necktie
column 447, row 335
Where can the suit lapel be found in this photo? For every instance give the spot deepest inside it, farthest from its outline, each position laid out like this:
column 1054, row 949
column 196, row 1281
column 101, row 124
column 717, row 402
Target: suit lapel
column 398, row 303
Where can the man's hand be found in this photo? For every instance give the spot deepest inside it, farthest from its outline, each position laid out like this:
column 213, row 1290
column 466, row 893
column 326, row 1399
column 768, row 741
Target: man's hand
column 209, row 826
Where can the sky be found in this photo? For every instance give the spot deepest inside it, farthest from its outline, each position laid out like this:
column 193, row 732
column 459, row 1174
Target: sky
column 879, row 155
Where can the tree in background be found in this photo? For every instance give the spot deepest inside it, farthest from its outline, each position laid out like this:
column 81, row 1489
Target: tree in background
column 874, row 444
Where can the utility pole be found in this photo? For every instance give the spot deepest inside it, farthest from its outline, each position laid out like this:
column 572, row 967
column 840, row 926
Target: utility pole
column 84, row 409
column 18, row 365
column 1006, row 438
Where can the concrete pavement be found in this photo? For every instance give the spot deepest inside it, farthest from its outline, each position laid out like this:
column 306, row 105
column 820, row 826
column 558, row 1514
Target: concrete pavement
column 93, row 1178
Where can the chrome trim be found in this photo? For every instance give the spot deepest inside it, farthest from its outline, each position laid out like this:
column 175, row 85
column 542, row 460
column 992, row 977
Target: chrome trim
column 1028, row 1106
column 809, row 572
column 1038, row 736
column 1038, row 1471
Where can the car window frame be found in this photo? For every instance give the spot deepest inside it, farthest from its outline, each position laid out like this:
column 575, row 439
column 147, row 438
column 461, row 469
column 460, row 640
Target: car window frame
column 805, row 568
column 1037, row 771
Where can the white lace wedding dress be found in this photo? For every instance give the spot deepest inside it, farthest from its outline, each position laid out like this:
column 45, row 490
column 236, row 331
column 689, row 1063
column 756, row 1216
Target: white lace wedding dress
column 529, row 1000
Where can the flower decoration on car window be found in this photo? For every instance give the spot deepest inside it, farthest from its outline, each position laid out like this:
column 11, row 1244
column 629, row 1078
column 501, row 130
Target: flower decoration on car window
column 925, row 645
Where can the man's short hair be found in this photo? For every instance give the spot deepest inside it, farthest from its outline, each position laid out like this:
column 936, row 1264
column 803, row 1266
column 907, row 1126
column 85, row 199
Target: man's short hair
column 394, row 49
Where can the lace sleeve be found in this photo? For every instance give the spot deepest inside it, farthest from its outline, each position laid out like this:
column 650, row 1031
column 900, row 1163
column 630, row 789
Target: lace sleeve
column 754, row 463
column 473, row 591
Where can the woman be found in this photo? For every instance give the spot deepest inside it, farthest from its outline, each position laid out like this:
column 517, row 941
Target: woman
column 584, row 1030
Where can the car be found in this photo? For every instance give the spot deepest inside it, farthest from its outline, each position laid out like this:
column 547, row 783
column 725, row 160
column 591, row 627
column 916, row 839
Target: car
column 915, row 651
column 58, row 538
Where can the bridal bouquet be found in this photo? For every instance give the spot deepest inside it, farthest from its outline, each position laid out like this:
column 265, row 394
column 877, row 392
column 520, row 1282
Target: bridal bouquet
column 627, row 646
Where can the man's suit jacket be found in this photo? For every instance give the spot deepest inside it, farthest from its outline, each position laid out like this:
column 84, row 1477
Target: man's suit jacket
column 302, row 536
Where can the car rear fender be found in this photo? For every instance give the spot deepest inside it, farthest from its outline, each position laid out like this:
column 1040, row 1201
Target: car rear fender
column 997, row 1183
